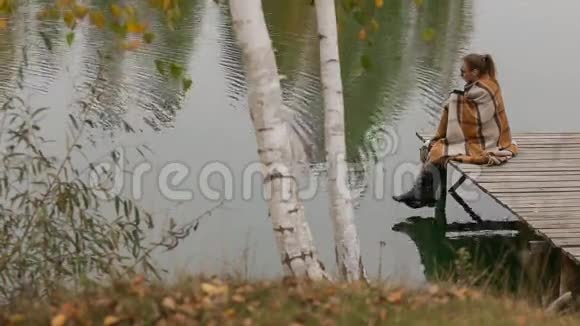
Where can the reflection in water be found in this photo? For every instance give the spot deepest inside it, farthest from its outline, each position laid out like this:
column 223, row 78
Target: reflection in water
column 496, row 252
column 490, row 253
column 132, row 89
column 407, row 72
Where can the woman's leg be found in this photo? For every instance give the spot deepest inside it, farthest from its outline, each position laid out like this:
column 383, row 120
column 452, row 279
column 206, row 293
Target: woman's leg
column 424, row 191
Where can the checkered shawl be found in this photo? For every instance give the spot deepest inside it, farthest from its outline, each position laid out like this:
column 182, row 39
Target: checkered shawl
column 474, row 127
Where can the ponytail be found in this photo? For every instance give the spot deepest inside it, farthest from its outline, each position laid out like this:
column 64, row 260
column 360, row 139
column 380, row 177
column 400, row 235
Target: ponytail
column 489, row 65
column 482, row 62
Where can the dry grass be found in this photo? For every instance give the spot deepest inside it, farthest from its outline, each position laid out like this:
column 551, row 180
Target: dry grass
column 215, row 302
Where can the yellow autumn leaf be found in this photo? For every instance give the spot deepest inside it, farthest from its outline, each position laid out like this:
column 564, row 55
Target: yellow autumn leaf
column 116, row 11
column 419, row 3
column 135, row 27
column 130, row 11
column 64, row 3
column 111, row 320
column 16, row 318
column 374, row 25
column 69, row 19
column 131, row 45
column 379, row 3
column 3, row 23
column 80, row 11
column 362, row 34
column 166, row 4
column 58, row 320
column 98, row 18
column 428, row 34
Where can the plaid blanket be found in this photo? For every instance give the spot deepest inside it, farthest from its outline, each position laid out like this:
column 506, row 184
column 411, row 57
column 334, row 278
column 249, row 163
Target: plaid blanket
column 474, row 127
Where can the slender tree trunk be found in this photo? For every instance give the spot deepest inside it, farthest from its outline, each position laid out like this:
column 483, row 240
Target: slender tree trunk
column 293, row 237
column 348, row 255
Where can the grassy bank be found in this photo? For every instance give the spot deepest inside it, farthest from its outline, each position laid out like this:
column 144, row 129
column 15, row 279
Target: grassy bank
column 214, row 302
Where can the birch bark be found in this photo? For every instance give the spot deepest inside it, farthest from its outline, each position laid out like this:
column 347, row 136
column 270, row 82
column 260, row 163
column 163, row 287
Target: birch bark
column 293, row 237
column 347, row 245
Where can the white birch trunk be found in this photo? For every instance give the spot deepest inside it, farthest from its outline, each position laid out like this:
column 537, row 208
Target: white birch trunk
column 347, row 244
column 293, row 238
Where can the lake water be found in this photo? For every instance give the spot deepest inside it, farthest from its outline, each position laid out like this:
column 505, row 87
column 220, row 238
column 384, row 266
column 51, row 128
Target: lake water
column 415, row 59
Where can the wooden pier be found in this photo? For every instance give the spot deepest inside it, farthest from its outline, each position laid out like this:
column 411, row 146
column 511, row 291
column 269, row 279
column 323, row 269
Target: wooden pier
column 541, row 187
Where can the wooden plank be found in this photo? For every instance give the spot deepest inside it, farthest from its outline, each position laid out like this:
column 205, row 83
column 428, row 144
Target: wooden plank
column 492, row 178
column 542, row 225
column 575, row 251
column 536, row 184
column 427, row 134
column 542, row 196
column 525, row 190
column 519, row 165
column 549, row 198
column 554, row 232
column 517, row 173
column 540, row 206
column 559, row 234
column 522, row 208
column 542, row 201
column 566, row 242
column 553, row 157
column 527, row 142
column 553, row 215
column 548, row 218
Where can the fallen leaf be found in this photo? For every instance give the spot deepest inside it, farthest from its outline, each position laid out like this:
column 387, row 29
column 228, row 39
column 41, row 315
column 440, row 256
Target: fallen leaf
column 214, row 290
column 3, row 23
column 230, row 314
column 434, row 289
column 379, row 3
column 383, row 314
column 396, row 297
column 58, row 320
column 16, row 318
column 459, row 293
column 238, row 298
column 474, row 294
column 111, row 320
column 169, row 303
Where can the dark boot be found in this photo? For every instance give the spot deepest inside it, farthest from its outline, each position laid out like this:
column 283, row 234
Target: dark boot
column 423, row 192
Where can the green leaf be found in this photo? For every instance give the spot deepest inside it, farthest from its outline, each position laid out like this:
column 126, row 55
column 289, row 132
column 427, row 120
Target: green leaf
column 160, row 65
column 186, row 83
column 366, row 62
column 70, row 37
column 359, row 16
column 46, row 40
column 429, row 34
column 176, row 70
column 148, row 37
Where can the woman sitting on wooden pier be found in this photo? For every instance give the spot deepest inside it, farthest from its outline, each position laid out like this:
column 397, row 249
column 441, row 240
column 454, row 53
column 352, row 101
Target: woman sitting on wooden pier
column 473, row 129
